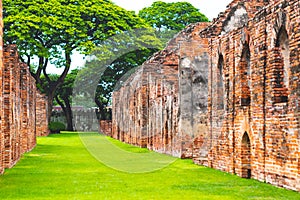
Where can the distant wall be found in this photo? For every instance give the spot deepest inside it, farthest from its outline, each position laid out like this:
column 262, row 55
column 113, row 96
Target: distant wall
column 152, row 109
column 84, row 119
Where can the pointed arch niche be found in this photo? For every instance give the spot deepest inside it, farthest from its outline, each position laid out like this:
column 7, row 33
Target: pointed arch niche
column 220, row 82
column 246, row 156
column 244, row 70
column 282, row 55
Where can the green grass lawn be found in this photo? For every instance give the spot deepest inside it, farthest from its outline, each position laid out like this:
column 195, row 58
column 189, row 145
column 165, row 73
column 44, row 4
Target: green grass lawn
column 61, row 167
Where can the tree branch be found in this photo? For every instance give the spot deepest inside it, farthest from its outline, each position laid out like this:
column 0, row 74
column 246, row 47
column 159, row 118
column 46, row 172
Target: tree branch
column 60, row 103
column 37, row 75
column 44, row 71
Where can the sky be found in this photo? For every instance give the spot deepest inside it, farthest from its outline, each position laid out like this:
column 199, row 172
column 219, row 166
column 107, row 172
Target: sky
column 210, row 8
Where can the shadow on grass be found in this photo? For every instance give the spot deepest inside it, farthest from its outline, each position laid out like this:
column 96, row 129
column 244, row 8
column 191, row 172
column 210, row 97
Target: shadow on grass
column 119, row 159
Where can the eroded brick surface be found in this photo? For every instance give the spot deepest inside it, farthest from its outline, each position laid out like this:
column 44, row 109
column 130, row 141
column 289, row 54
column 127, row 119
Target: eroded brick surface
column 105, row 127
column 225, row 93
column 41, row 114
column 2, row 146
column 23, row 113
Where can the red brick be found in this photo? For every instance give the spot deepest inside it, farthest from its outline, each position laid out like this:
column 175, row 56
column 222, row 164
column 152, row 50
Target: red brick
column 250, row 125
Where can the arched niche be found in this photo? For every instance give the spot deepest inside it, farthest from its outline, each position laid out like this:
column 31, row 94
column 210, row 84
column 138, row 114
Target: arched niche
column 246, row 156
column 220, row 82
column 281, row 59
column 282, row 43
column 245, row 76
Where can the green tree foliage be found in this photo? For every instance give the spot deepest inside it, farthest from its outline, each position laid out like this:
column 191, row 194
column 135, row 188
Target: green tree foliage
column 52, row 30
column 113, row 74
column 111, row 61
column 169, row 18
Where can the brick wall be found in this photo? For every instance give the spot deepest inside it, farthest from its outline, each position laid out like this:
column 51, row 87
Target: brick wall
column 19, row 123
column 105, row 127
column 21, row 115
column 2, row 147
column 225, row 93
column 146, row 109
column 41, row 114
column 256, row 133
column 11, row 107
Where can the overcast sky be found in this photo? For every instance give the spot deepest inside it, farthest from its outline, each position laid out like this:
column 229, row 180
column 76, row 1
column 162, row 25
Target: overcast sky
column 210, row 8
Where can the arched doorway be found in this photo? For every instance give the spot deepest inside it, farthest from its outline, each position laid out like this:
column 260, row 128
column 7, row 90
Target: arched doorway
column 246, row 156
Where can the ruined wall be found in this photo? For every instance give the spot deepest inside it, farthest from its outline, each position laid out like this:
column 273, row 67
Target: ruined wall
column 105, row 127
column 150, row 91
column 254, row 93
column 227, row 94
column 162, row 94
column 152, row 107
column 18, row 121
column 28, row 97
column 2, row 146
column 11, row 119
column 41, row 106
column 17, row 106
column 193, row 89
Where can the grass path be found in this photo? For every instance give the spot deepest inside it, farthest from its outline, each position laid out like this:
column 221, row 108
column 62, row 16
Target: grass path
column 135, row 160
column 60, row 167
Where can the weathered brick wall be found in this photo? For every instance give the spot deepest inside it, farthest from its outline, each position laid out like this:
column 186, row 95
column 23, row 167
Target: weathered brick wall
column 146, row 109
column 232, row 88
column 105, row 127
column 2, row 146
column 19, row 108
column 41, row 107
column 193, row 89
column 11, row 100
column 151, row 91
column 254, row 118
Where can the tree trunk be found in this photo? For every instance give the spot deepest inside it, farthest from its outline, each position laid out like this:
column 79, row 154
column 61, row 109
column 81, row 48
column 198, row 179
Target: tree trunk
column 50, row 105
column 101, row 112
column 53, row 85
column 67, row 112
column 69, row 115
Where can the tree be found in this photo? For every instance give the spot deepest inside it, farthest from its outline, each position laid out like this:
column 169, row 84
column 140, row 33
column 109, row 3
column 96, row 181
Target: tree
column 52, row 30
column 113, row 74
column 111, row 61
column 169, row 18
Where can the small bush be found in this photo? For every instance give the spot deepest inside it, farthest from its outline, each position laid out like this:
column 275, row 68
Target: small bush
column 56, row 127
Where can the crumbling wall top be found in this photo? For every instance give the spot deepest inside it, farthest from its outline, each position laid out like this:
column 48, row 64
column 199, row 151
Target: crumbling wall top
column 235, row 16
